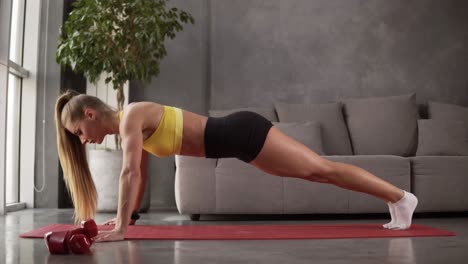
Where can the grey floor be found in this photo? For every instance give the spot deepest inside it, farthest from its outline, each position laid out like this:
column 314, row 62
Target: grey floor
column 425, row 250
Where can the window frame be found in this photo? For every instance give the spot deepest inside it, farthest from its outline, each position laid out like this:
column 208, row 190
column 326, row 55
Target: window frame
column 28, row 72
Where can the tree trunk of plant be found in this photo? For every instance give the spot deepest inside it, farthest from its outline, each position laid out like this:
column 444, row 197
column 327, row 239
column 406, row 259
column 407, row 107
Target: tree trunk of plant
column 120, row 103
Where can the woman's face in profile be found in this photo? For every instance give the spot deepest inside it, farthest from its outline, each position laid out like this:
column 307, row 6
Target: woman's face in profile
column 89, row 129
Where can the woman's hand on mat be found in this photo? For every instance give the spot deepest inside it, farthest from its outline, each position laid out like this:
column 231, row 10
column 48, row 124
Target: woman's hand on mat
column 112, row 235
column 114, row 220
column 111, row 221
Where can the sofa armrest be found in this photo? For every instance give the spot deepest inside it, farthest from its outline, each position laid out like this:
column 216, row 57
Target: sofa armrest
column 195, row 182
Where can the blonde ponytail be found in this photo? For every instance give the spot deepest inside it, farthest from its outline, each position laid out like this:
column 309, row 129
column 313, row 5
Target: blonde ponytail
column 72, row 155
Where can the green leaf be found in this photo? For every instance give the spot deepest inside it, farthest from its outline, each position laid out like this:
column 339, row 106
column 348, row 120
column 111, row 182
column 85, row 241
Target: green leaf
column 125, row 38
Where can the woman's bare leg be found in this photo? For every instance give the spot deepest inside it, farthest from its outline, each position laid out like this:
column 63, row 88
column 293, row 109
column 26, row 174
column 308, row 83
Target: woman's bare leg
column 284, row 156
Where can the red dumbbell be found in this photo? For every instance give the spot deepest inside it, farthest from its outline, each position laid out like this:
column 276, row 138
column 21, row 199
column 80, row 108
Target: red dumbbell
column 79, row 244
column 76, row 240
column 90, row 228
column 57, row 242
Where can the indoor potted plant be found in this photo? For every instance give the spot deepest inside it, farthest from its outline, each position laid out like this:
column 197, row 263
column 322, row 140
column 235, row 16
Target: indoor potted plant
column 123, row 40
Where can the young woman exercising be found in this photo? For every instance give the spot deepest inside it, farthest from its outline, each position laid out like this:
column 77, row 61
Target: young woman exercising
column 164, row 130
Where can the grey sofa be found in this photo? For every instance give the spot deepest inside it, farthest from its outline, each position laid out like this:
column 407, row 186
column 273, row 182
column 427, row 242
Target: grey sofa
column 384, row 135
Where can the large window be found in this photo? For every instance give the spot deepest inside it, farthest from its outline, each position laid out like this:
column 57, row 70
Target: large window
column 12, row 142
column 15, row 80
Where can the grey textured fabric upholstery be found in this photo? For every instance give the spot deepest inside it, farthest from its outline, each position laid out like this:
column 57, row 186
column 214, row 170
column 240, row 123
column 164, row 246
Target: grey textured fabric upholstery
column 235, row 187
column 442, row 137
column 279, row 194
column 393, row 169
column 305, row 197
column 440, row 183
column 308, row 133
column 383, row 125
column 302, row 196
column 268, row 113
column 242, row 188
column 230, row 186
column 195, row 184
column 446, row 111
column 335, row 136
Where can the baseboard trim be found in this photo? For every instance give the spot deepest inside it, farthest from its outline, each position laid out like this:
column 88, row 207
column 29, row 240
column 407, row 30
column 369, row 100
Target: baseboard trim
column 15, row 207
column 162, row 208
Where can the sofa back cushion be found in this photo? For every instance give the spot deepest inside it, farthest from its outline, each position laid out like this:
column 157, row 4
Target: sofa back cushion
column 335, row 137
column 445, row 111
column 442, row 137
column 268, row 113
column 383, row 125
column 307, row 133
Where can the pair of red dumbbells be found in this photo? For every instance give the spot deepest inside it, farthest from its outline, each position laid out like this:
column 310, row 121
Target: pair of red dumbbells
column 77, row 241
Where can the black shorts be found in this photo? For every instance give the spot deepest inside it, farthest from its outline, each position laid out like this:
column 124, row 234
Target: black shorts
column 238, row 135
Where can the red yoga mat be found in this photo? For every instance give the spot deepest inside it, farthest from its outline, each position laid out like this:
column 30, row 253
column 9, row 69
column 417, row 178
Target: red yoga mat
column 239, row 232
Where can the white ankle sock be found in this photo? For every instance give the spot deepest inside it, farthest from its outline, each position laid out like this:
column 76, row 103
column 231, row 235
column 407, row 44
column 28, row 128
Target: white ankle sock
column 403, row 211
column 392, row 215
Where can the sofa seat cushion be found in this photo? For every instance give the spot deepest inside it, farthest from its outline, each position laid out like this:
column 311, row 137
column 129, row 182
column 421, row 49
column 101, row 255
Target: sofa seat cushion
column 383, row 125
column 335, row 138
column 194, row 185
column 243, row 189
column 440, row 183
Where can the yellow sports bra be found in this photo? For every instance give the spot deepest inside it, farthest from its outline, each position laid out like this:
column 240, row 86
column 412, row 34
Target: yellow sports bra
column 166, row 140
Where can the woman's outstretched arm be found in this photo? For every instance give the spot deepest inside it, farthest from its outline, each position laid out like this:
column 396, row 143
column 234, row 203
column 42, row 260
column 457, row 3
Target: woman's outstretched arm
column 141, row 192
column 130, row 177
column 139, row 197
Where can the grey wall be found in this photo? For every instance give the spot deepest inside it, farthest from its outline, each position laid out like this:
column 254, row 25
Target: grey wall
column 48, row 89
column 254, row 53
column 322, row 50
column 182, row 83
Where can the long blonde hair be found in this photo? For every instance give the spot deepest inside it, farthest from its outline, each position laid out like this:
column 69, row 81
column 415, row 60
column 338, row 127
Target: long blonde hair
column 72, row 153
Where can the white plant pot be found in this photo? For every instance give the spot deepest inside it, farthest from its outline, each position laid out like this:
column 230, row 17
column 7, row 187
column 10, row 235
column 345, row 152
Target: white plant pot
column 105, row 167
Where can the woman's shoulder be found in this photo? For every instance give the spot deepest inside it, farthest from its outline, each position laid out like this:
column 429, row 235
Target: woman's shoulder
column 138, row 108
column 142, row 104
column 141, row 111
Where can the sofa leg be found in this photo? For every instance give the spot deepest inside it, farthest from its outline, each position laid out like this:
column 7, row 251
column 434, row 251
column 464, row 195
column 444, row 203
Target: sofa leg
column 194, row 217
